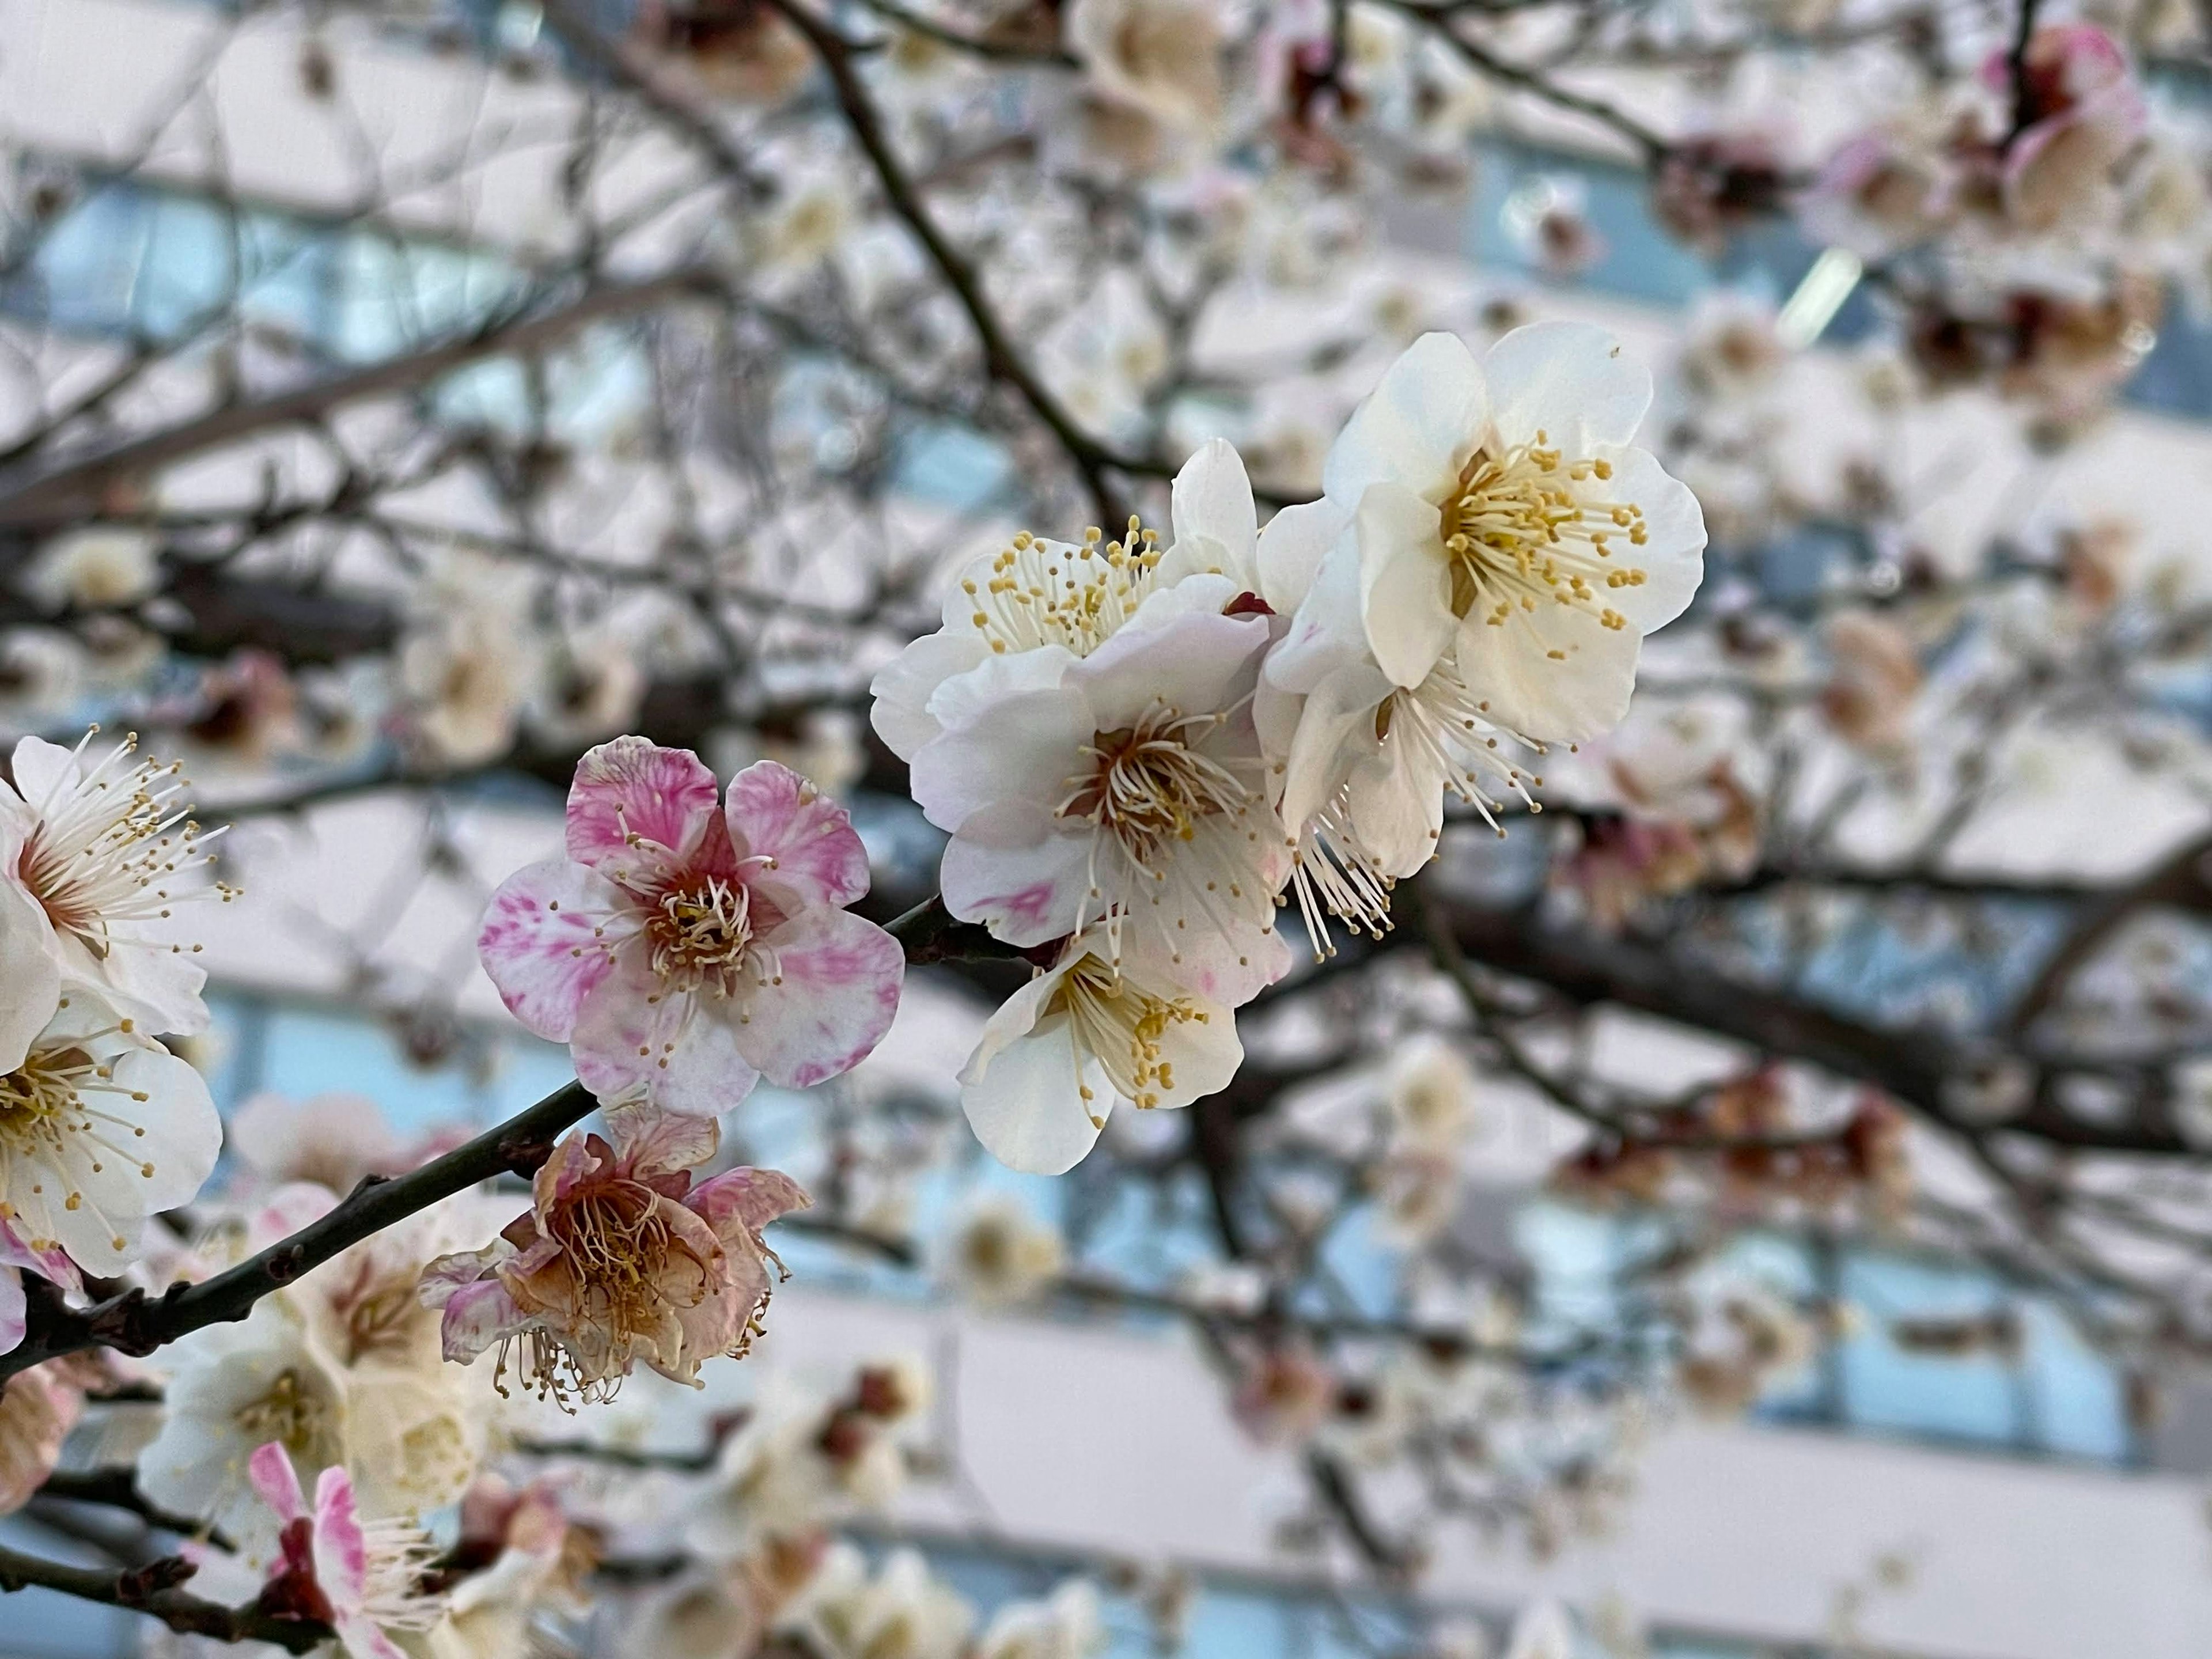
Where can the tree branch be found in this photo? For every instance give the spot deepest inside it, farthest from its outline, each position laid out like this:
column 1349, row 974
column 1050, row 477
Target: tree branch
column 152, row 1591
column 78, row 489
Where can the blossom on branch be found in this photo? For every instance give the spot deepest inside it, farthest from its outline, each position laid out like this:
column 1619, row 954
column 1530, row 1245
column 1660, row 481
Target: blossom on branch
column 621, row 1258
column 687, row 946
column 361, row 1577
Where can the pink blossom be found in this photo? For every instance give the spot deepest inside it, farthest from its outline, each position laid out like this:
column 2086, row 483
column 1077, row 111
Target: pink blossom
column 621, row 1258
column 358, row 1577
column 2079, row 111
column 686, row 947
column 40, row 1408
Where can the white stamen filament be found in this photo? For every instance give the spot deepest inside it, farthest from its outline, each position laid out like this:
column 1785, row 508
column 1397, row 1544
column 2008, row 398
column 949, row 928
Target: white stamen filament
column 107, row 844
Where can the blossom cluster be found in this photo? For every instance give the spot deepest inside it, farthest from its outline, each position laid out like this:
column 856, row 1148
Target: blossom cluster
column 1139, row 750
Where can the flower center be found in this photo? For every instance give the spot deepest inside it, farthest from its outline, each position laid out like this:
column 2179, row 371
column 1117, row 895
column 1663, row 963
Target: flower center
column 50, row 1124
column 106, row 846
column 1120, row 1026
column 293, row 1414
column 1040, row 593
column 699, row 935
column 1519, row 532
column 1147, row 784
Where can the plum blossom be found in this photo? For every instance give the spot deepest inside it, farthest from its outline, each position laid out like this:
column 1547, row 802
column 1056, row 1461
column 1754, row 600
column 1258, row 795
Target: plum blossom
column 40, row 1408
column 1088, row 1031
column 1124, row 787
column 1066, row 1625
column 999, row 1252
column 1502, row 515
column 99, row 1128
column 360, row 1578
column 622, row 1257
column 686, row 947
column 1361, row 765
column 802, row 1460
column 901, row 1613
column 100, row 845
column 2079, row 115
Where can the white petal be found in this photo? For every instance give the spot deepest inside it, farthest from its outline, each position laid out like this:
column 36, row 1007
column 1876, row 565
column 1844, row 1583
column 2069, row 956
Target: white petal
column 1023, row 747
column 903, row 687
column 1398, row 808
column 1571, row 381
column 1416, row 428
column 1196, row 663
column 1336, row 732
column 1405, row 583
column 1672, row 558
column 1021, row 1089
column 1202, row 1055
column 1567, row 698
column 1291, row 549
column 1214, row 523
column 1020, row 875
column 30, row 984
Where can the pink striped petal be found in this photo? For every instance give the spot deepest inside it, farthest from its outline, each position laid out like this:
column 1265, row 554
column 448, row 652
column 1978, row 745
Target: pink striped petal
column 650, row 1141
column 836, row 990
column 632, row 787
column 341, row 1547
column 635, row 1039
column 549, row 937
column 270, row 1470
column 817, row 858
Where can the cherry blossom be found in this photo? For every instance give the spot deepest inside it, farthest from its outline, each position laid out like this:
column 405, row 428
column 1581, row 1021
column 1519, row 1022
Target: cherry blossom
column 686, row 947
column 622, row 1257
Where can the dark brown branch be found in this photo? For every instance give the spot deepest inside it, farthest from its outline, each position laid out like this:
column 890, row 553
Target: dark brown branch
column 153, row 1589
column 117, row 1488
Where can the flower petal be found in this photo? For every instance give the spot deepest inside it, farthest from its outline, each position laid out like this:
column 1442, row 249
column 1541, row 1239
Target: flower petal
column 834, row 994
column 1428, row 414
column 14, row 1308
column 902, row 687
column 1553, row 674
column 1404, row 582
column 1021, row 1090
column 635, row 1037
column 1017, row 871
column 341, row 1547
column 776, row 814
column 1336, row 732
column 1215, row 525
column 651, row 1141
column 751, row 1197
column 1196, row 663
column 634, row 786
column 476, row 1316
column 1672, row 558
column 1573, row 382
column 1020, row 747
column 1291, row 549
column 30, row 983
column 548, row 937
column 270, row 1468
